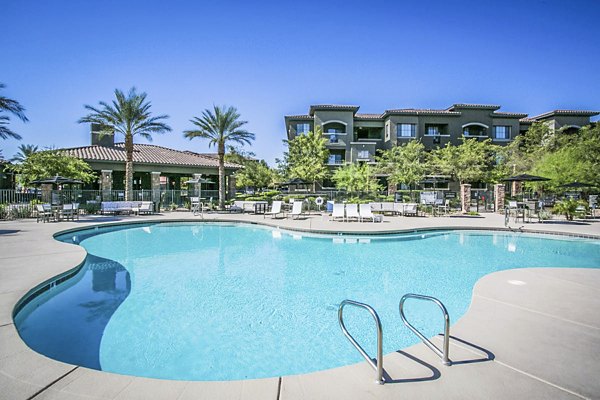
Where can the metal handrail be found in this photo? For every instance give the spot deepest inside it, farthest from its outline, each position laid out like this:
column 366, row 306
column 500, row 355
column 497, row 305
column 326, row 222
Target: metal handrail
column 443, row 354
column 376, row 366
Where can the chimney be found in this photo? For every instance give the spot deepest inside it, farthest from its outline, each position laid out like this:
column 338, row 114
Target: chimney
column 104, row 140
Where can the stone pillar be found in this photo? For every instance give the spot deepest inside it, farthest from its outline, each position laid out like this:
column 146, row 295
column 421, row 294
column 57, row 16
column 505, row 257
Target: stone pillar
column 517, row 188
column 106, row 182
column 46, row 192
column 499, row 197
column 155, row 187
column 465, row 197
column 392, row 189
column 197, row 185
column 231, row 187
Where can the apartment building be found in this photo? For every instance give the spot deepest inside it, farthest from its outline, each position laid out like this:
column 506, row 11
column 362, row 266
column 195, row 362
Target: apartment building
column 355, row 137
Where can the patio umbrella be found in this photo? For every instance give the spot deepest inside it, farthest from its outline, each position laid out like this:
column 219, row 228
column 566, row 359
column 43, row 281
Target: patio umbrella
column 576, row 185
column 295, row 181
column 525, row 178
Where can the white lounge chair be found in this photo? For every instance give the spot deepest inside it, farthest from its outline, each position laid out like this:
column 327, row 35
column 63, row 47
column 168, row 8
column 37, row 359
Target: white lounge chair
column 338, row 211
column 275, row 209
column 399, row 208
column 76, row 211
column 147, row 207
column 411, row 209
column 387, row 208
column 296, row 209
column 352, row 212
column 366, row 212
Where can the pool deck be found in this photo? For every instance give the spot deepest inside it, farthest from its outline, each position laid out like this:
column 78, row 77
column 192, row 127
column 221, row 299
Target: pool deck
column 538, row 339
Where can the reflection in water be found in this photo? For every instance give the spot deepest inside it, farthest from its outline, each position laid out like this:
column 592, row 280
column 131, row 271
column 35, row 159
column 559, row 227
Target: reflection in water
column 69, row 327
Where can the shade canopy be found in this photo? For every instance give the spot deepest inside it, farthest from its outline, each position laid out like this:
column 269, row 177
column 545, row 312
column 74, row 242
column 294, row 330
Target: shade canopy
column 57, row 180
column 525, row 178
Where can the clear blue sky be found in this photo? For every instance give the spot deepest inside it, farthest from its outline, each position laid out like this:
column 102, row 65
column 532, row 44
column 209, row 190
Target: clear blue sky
column 274, row 58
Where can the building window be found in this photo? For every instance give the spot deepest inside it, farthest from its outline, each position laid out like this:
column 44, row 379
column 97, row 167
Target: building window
column 502, row 132
column 407, row 130
column 433, row 130
column 335, row 159
column 474, row 130
column 302, row 128
column 363, row 155
column 333, row 138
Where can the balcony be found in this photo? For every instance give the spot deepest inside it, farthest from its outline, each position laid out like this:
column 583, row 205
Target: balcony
column 362, row 152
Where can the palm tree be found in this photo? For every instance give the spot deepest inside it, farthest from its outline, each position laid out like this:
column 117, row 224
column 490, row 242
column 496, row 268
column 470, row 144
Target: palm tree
column 13, row 107
column 221, row 126
column 128, row 115
column 25, row 150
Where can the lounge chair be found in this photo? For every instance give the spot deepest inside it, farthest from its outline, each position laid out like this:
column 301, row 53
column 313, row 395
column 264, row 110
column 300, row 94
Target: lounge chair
column 366, row 212
column 275, row 209
column 296, row 209
column 399, row 208
column 387, row 208
column 352, row 212
column 411, row 209
column 146, row 207
column 44, row 213
column 338, row 211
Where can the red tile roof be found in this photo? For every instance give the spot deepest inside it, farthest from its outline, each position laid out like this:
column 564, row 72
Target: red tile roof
column 478, row 106
column 332, row 107
column 368, row 116
column 508, row 114
column 567, row 113
column 145, row 154
column 420, row 111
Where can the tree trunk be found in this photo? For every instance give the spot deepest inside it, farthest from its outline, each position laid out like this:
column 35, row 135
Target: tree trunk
column 129, row 168
column 221, row 151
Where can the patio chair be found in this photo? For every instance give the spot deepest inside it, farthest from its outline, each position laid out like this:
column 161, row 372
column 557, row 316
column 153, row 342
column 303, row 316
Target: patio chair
column 44, row 213
column 352, row 212
column 411, row 209
column 275, row 209
column 338, row 211
column 76, row 211
column 67, row 211
column 296, row 209
column 366, row 212
column 195, row 205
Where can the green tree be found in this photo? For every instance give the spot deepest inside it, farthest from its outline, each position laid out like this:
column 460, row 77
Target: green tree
column 128, row 115
column 48, row 163
column 306, row 157
column 522, row 153
column 404, row 164
column 256, row 173
column 471, row 161
column 221, row 126
column 13, row 107
column 576, row 159
column 357, row 177
column 25, row 150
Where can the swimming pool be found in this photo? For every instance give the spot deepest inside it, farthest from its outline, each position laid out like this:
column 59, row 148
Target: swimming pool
column 216, row 301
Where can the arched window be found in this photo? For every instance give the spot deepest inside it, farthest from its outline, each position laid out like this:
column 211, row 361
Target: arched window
column 475, row 129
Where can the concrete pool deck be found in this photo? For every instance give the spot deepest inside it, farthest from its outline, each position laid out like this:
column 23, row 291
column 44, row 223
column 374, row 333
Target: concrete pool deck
column 539, row 339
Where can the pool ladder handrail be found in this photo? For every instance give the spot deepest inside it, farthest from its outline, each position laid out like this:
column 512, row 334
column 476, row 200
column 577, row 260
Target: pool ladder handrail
column 378, row 367
column 444, row 353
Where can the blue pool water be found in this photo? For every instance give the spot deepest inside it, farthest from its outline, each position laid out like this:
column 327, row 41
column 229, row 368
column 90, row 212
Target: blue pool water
column 224, row 301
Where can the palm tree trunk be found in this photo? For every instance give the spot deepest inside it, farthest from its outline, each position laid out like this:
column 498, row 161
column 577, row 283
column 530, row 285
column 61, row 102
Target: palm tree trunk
column 129, row 168
column 221, row 152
